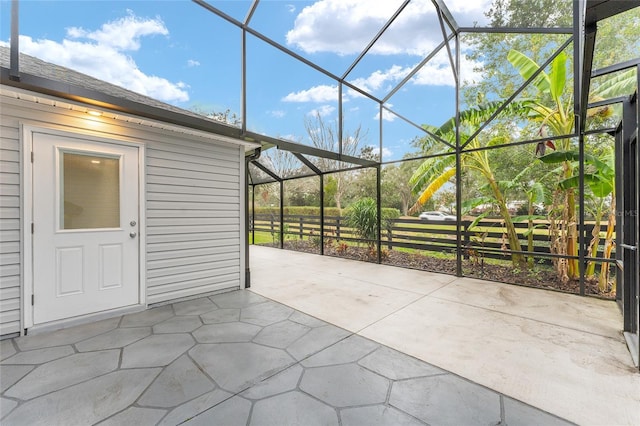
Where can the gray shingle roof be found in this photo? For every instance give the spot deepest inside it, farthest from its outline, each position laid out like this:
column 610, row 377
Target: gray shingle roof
column 40, row 68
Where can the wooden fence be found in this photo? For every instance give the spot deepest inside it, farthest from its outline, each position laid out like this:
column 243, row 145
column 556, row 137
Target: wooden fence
column 487, row 238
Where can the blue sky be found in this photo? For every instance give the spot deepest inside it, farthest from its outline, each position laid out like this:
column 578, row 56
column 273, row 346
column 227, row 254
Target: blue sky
column 178, row 52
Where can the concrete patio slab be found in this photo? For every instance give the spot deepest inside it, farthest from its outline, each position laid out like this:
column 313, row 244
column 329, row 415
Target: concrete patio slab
column 558, row 352
column 289, row 367
column 596, row 315
column 299, row 370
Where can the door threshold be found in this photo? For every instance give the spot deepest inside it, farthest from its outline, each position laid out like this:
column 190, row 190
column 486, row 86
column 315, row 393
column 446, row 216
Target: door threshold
column 83, row 319
column 634, row 347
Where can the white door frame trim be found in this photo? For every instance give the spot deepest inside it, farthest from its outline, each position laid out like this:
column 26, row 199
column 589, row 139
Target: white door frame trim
column 26, row 135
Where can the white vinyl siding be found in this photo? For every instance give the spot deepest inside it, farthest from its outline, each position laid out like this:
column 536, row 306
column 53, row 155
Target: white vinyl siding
column 192, row 193
column 193, row 219
column 9, row 225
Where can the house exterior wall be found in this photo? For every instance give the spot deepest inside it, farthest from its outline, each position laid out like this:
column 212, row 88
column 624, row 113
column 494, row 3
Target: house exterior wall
column 193, row 196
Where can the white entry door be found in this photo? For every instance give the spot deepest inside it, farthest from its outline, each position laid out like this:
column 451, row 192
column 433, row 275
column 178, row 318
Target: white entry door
column 85, row 238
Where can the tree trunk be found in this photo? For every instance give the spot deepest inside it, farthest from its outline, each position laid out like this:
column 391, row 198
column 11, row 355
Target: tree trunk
column 512, row 235
column 603, row 282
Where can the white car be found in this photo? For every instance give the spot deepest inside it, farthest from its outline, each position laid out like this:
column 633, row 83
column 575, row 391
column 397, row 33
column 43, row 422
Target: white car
column 436, row 216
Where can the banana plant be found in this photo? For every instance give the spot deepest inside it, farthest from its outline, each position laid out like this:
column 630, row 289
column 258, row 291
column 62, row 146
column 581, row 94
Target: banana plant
column 599, row 177
column 553, row 111
column 434, row 172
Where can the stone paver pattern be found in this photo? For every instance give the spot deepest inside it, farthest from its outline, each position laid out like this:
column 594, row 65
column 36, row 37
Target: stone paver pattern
column 234, row 358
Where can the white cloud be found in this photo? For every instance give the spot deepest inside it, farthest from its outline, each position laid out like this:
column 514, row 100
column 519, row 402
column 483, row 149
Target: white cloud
column 438, row 72
column 277, row 113
column 121, row 34
column 102, row 54
column 291, row 8
column 379, row 79
column 386, row 152
column 193, row 63
column 321, row 26
column 386, row 115
column 323, row 111
column 322, row 93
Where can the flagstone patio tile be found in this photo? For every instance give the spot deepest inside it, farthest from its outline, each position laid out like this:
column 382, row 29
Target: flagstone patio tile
column 265, row 313
column 194, row 407
column 345, row 385
column 232, row 412
column 293, row 408
column 517, row 413
column 221, row 315
column 282, row 334
column 10, row 374
column 180, row 324
column 282, row 382
column 6, row 349
column 147, row 318
column 397, row 366
column 118, row 338
column 194, row 307
column 304, row 319
column 235, row 366
column 316, row 340
column 85, row 403
column 446, row 400
column 179, row 382
column 66, row 336
column 40, row 356
column 6, row 405
column 226, row 333
column 237, row 299
column 155, row 351
column 345, row 351
column 135, row 416
column 64, row 372
column 377, row 415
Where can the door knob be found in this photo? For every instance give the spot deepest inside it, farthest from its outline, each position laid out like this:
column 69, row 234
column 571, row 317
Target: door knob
column 132, row 234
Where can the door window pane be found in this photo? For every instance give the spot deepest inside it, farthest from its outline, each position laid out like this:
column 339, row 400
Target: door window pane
column 90, row 191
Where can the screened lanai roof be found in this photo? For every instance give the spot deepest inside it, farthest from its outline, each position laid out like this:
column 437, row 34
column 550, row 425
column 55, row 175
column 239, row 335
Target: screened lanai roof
column 378, row 74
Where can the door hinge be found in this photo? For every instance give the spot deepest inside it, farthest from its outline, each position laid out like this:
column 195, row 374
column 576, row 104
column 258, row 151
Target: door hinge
column 32, row 299
column 32, row 227
column 32, row 156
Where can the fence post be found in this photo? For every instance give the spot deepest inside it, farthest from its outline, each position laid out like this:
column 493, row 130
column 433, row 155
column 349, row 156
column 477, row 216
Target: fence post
column 301, row 228
column 271, row 220
column 389, row 238
column 467, row 240
column 338, row 228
